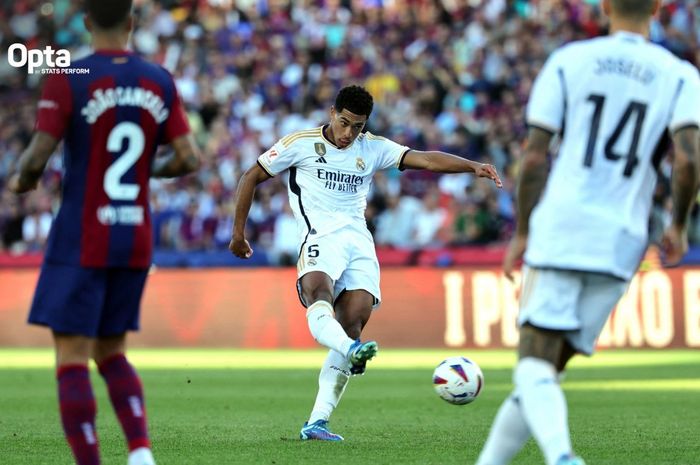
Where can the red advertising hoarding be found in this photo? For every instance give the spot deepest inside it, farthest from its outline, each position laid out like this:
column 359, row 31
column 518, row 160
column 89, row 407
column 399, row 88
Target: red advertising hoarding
column 422, row 307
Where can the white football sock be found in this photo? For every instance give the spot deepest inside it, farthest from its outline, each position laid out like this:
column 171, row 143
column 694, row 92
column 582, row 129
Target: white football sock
column 332, row 380
column 141, row 456
column 325, row 328
column 508, row 434
column 543, row 405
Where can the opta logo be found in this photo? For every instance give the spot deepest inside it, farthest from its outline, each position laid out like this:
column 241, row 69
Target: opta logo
column 35, row 59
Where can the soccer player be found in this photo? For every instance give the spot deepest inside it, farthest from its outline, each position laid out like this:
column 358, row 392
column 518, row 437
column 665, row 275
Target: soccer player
column 612, row 100
column 100, row 245
column 330, row 172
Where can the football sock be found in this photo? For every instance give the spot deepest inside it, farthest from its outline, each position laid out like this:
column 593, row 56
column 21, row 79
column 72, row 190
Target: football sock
column 332, row 380
column 508, row 435
column 78, row 409
column 126, row 394
column 543, row 405
column 325, row 328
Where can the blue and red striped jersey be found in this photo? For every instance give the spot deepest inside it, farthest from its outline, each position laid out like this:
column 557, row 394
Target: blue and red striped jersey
column 112, row 120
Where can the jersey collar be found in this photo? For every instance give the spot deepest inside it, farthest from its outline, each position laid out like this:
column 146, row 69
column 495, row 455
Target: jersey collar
column 323, row 136
column 629, row 36
column 113, row 52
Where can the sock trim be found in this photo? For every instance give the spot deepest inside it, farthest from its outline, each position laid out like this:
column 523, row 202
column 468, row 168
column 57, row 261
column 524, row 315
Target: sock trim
column 109, row 360
column 63, row 369
column 139, row 443
column 318, row 305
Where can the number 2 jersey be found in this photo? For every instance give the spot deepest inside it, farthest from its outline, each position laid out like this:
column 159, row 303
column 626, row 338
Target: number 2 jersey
column 614, row 100
column 328, row 186
column 112, row 119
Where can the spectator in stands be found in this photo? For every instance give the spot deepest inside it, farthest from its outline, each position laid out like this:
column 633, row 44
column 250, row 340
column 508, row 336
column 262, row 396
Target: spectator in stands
column 249, row 74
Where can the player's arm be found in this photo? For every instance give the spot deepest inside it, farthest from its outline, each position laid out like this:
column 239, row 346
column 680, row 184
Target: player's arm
column 533, row 177
column 32, row 163
column 244, row 199
column 684, row 185
column 441, row 162
column 183, row 159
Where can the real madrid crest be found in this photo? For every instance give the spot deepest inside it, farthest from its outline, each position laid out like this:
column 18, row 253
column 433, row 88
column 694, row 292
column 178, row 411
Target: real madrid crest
column 360, row 163
column 320, row 148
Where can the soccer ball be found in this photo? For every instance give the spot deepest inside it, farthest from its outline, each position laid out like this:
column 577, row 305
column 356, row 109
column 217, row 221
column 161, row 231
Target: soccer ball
column 458, row 380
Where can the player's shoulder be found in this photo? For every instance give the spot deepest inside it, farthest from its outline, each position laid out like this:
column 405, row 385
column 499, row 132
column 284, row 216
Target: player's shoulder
column 153, row 70
column 297, row 137
column 688, row 71
column 136, row 65
column 372, row 139
column 575, row 53
column 571, row 49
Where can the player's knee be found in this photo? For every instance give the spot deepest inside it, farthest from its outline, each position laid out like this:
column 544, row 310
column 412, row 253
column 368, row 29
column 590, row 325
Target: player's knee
column 315, row 293
column 105, row 348
column 567, row 353
column 539, row 343
column 72, row 349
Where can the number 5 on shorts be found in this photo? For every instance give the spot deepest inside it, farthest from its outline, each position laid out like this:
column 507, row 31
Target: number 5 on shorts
column 312, row 251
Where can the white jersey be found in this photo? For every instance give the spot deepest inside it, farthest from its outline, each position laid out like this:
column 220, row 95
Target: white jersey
column 613, row 99
column 328, row 186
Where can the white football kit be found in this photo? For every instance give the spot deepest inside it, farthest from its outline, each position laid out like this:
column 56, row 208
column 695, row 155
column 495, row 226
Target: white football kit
column 328, row 190
column 614, row 100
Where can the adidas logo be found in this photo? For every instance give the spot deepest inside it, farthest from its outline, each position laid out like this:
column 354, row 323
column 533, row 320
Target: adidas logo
column 321, row 160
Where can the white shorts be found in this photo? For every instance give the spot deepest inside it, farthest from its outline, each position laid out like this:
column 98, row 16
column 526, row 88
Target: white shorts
column 576, row 302
column 347, row 255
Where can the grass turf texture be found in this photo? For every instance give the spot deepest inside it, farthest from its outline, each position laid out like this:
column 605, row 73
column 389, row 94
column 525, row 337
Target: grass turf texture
column 246, row 407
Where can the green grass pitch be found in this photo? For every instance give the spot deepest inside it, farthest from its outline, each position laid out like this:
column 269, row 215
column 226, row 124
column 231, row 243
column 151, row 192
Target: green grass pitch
column 246, row 407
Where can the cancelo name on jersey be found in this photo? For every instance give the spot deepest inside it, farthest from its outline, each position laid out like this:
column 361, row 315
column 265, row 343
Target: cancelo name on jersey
column 103, row 100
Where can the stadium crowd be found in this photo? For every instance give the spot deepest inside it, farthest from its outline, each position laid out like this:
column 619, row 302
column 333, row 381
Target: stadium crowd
column 452, row 75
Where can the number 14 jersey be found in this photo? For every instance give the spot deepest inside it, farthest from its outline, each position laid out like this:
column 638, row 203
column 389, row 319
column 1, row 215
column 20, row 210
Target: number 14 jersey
column 614, row 100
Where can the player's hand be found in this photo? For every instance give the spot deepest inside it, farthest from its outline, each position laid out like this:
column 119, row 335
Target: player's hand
column 484, row 170
column 240, row 247
column 674, row 245
column 514, row 252
column 13, row 185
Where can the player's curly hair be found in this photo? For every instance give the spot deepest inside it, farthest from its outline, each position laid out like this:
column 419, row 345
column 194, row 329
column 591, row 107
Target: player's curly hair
column 356, row 99
column 108, row 14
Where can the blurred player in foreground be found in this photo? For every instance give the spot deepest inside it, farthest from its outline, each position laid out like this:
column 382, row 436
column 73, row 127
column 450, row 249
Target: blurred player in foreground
column 330, row 172
column 100, row 246
column 612, row 99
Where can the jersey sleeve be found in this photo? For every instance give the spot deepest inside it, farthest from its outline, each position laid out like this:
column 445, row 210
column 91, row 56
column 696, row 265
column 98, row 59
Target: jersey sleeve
column 389, row 153
column 176, row 125
column 55, row 106
column 278, row 158
column 545, row 109
column 686, row 110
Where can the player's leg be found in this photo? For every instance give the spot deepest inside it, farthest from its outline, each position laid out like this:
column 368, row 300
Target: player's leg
column 335, row 372
column 357, row 294
column 126, row 395
column 541, row 398
column 537, row 404
column 76, row 400
column 68, row 299
column 509, row 433
column 121, row 314
column 353, row 309
column 316, row 293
